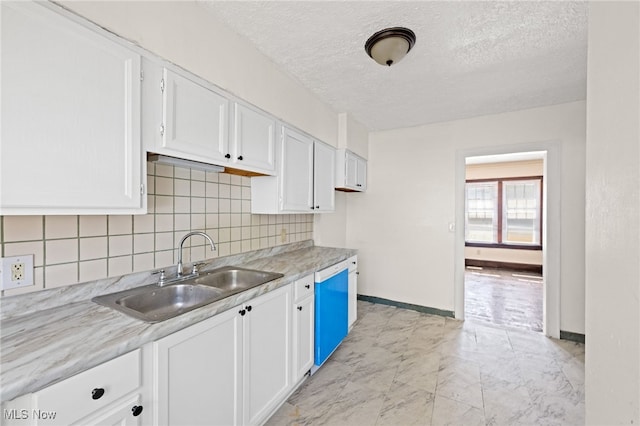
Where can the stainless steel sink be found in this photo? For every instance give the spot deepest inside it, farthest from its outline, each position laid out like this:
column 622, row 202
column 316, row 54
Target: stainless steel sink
column 153, row 303
column 233, row 279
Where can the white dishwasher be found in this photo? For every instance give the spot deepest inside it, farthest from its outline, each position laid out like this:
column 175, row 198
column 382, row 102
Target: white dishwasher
column 331, row 310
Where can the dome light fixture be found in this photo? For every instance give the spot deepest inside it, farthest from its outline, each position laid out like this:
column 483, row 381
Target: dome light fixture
column 390, row 45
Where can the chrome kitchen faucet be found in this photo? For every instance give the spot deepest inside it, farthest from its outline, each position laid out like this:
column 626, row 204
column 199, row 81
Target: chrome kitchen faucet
column 190, row 234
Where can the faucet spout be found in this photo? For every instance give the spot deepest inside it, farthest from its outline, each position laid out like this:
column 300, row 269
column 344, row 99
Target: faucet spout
column 190, row 234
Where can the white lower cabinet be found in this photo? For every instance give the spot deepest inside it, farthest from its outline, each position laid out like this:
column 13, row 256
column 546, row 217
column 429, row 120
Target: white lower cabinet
column 303, row 322
column 109, row 394
column 231, row 369
column 353, row 290
column 198, row 373
column 267, row 354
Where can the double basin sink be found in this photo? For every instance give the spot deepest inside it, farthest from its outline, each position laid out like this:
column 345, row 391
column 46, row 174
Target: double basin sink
column 152, row 303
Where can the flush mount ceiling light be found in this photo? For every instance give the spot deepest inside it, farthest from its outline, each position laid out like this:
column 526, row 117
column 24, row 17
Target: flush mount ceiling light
column 390, row 45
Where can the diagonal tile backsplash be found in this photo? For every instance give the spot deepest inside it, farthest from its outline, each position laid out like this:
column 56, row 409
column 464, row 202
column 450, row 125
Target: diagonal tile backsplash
column 72, row 249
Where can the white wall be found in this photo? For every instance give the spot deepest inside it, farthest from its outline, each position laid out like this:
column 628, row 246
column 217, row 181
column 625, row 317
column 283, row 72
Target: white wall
column 401, row 222
column 330, row 229
column 613, row 214
column 184, row 33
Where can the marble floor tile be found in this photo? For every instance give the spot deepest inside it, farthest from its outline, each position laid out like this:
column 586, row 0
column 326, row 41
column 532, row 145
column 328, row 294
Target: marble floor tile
column 401, row 367
column 358, row 404
column 406, row 405
column 450, row 412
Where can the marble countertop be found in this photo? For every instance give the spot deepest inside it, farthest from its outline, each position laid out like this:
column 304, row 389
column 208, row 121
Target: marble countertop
column 45, row 346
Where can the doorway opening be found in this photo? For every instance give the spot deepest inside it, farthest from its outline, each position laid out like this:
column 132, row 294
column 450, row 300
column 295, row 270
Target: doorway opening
column 503, row 239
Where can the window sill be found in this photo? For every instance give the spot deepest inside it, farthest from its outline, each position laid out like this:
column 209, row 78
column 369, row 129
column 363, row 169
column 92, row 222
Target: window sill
column 505, row 246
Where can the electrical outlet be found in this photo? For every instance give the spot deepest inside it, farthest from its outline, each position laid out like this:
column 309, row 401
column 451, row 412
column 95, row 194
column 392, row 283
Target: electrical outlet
column 16, row 271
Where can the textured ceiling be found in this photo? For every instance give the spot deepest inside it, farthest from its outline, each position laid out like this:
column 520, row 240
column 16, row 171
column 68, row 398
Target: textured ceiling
column 470, row 58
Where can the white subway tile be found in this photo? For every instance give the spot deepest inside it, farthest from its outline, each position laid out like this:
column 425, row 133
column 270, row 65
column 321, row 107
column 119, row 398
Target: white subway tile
column 36, row 248
column 93, row 248
column 181, row 173
column 143, row 262
column 164, row 186
column 120, row 265
column 164, row 241
column 120, row 225
column 224, row 220
column 61, row 251
column 60, row 275
column 164, row 259
column 164, row 204
column 93, row 270
column 224, row 205
column 198, row 175
column 224, row 190
column 236, row 192
column 22, row 228
column 182, row 187
column 143, row 223
column 164, row 222
column 198, row 205
column 182, row 205
column 164, row 170
column 93, row 226
column 197, row 189
column 143, row 243
column 120, row 245
column 212, row 190
column 182, row 222
column 60, row 227
column 198, row 221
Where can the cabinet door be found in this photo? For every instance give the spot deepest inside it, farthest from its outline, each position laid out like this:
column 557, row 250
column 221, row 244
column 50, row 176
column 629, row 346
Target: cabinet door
column 253, row 140
column 195, row 120
column 351, row 178
column 296, row 172
column 267, row 360
column 302, row 338
column 199, row 373
column 70, row 138
column 353, row 297
column 361, row 176
column 324, row 172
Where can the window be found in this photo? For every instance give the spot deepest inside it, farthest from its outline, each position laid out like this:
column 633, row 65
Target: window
column 504, row 213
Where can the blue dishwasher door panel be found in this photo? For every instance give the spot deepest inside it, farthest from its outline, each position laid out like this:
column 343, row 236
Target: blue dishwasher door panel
column 331, row 315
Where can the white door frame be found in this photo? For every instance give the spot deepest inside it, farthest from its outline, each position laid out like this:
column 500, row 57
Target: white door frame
column 551, row 226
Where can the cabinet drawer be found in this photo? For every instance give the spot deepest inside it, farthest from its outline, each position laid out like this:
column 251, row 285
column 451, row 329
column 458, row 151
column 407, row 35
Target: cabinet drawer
column 73, row 398
column 303, row 288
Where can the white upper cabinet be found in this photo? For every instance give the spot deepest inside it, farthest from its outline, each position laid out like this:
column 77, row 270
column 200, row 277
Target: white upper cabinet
column 70, row 139
column 195, row 119
column 324, row 169
column 253, row 140
column 187, row 117
column 351, row 171
column 305, row 181
column 297, row 172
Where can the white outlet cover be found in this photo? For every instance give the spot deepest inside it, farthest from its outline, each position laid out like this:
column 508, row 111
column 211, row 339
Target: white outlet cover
column 6, row 283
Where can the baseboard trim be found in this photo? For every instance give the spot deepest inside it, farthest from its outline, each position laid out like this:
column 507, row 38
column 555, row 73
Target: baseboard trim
column 504, row 265
column 419, row 308
column 570, row 335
